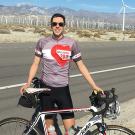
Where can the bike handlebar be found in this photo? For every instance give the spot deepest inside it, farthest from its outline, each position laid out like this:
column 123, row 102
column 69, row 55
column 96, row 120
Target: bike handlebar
column 37, row 90
column 103, row 99
column 100, row 101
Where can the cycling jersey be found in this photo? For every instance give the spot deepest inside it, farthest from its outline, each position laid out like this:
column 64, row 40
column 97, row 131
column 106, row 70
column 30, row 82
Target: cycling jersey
column 55, row 57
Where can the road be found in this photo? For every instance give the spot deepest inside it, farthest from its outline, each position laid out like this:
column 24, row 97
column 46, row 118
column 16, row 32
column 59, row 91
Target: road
column 15, row 60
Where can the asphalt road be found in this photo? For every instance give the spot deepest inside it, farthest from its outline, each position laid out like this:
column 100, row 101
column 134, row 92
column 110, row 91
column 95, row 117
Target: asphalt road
column 15, row 60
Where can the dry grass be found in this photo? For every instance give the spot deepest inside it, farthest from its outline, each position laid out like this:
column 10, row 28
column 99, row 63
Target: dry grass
column 91, row 33
column 39, row 30
column 19, row 29
column 97, row 35
column 70, row 30
column 113, row 38
column 128, row 32
column 45, row 34
column 86, row 34
column 5, row 31
column 21, row 33
column 132, row 36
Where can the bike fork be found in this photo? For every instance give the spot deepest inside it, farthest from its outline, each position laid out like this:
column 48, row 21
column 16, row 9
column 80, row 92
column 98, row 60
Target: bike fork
column 102, row 128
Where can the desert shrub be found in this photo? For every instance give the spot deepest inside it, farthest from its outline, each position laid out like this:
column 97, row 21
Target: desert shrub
column 97, row 35
column 5, row 31
column 127, row 32
column 48, row 28
column 110, row 30
column 78, row 32
column 5, row 26
column 39, row 30
column 118, row 31
column 71, row 30
column 94, row 30
column 30, row 29
column 45, row 34
column 132, row 36
column 19, row 29
column 102, row 32
column 84, row 34
column 113, row 38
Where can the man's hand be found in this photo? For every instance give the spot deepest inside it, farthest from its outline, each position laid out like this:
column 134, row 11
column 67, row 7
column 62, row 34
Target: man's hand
column 97, row 89
column 24, row 87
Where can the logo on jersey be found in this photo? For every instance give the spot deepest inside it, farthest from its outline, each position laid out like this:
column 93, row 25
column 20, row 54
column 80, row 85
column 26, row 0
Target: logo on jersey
column 61, row 54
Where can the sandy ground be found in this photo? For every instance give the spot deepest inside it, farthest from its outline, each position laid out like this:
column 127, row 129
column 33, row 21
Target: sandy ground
column 126, row 118
column 33, row 37
column 19, row 37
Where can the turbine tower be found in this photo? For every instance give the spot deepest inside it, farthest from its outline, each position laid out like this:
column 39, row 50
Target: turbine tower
column 124, row 6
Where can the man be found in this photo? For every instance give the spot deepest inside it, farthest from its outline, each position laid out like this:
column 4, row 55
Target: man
column 55, row 53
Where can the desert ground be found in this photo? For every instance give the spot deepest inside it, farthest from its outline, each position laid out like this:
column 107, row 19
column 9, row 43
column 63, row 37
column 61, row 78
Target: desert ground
column 32, row 34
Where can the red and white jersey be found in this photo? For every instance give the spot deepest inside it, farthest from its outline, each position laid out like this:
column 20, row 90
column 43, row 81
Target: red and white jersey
column 56, row 56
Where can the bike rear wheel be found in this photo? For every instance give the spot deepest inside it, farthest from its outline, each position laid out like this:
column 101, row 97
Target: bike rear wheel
column 15, row 126
column 115, row 130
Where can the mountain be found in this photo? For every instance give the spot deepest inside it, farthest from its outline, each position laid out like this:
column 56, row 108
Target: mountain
column 21, row 10
column 25, row 9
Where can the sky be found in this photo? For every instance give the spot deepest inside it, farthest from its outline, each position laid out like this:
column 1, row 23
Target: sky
column 91, row 5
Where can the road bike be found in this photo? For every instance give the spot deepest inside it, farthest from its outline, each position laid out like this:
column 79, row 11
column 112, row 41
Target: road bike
column 102, row 106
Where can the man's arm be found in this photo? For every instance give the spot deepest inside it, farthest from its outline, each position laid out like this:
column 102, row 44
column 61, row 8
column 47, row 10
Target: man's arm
column 83, row 69
column 32, row 72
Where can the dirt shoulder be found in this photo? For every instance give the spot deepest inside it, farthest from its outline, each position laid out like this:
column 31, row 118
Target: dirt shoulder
column 21, row 37
column 126, row 118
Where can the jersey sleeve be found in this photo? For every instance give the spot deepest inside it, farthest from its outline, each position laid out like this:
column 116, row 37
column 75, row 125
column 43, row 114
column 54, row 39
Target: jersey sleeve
column 76, row 53
column 38, row 49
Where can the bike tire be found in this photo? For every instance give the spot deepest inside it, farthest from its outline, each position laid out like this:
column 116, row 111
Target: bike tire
column 15, row 126
column 115, row 130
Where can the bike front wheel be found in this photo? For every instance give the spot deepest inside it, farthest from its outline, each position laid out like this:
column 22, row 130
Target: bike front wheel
column 15, row 126
column 115, row 130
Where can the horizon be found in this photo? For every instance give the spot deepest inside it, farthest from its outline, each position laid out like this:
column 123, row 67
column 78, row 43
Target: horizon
column 89, row 5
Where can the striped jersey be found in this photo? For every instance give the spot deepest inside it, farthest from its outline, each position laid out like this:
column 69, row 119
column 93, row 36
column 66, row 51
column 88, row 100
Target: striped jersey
column 56, row 56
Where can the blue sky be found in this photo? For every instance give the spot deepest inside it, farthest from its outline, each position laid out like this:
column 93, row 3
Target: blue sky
column 93, row 5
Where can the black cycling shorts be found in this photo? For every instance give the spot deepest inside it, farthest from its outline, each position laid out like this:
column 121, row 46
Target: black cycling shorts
column 59, row 96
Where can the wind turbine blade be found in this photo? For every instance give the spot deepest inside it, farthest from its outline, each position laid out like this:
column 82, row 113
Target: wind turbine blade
column 129, row 7
column 123, row 3
column 121, row 10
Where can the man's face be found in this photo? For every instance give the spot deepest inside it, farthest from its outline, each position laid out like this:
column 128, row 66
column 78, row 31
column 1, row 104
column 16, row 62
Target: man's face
column 57, row 26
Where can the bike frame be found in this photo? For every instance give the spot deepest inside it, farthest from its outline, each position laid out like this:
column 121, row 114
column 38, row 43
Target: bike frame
column 92, row 121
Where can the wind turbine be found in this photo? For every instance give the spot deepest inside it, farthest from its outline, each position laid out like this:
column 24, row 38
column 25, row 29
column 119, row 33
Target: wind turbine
column 124, row 6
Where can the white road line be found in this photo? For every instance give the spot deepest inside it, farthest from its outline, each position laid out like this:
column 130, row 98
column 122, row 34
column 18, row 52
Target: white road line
column 73, row 76
column 103, row 71
column 11, row 86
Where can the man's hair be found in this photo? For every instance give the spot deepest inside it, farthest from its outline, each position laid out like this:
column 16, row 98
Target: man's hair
column 58, row 15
